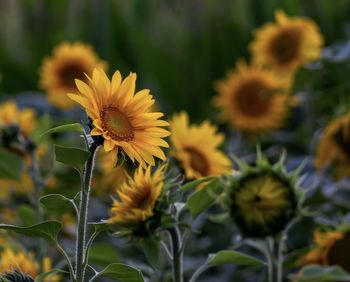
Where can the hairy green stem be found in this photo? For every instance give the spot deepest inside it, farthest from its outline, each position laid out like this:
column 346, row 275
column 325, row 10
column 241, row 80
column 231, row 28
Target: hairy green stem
column 38, row 184
column 177, row 254
column 83, row 214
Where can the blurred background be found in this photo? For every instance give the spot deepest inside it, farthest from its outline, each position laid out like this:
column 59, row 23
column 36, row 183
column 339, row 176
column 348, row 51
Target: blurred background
column 177, row 48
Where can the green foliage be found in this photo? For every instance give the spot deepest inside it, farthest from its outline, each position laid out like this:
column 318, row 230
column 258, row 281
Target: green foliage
column 202, row 199
column 73, row 157
column 77, row 127
column 11, row 165
column 103, row 254
column 26, row 214
column 151, row 249
column 43, row 276
column 317, row 273
column 120, row 272
column 47, row 230
column 58, row 202
column 234, row 257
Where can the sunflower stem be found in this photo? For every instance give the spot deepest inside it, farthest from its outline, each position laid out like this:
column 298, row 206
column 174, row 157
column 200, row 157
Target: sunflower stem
column 176, row 240
column 38, row 184
column 272, row 260
column 83, row 215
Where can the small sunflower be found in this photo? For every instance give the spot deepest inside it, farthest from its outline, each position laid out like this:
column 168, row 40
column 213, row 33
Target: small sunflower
column 69, row 61
column 24, row 262
column 137, row 197
column 252, row 99
column 263, row 200
column 10, row 115
column 121, row 117
column 330, row 248
column 287, row 44
column 196, row 147
column 334, row 147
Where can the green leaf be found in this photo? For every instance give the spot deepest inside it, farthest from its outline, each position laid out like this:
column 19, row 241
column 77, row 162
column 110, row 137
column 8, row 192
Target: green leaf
column 234, row 257
column 42, row 277
column 47, row 230
column 11, row 165
column 151, row 249
column 26, row 214
column 74, row 157
column 57, row 202
column 103, row 254
column 195, row 183
column 204, row 198
column 99, row 226
column 64, row 128
column 317, row 273
column 120, row 272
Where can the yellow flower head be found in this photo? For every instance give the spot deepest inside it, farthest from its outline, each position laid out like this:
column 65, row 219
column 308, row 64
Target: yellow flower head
column 121, row 117
column 196, row 147
column 287, row 44
column 24, row 262
column 334, row 146
column 69, row 61
column 137, row 197
column 330, row 248
column 252, row 99
column 24, row 186
column 11, row 115
column 110, row 175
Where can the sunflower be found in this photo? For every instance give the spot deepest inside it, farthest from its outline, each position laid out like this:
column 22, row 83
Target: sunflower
column 252, row 99
column 121, row 117
column 334, row 147
column 137, row 197
column 196, row 147
column 24, row 262
column 330, row 248
column 10, row 115
column 287, row 44
column 263, row 199
column 69, row 61
column 110, row 175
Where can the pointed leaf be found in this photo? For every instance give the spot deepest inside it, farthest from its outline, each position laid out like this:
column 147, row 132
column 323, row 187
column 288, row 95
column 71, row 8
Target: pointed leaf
column 202, row 199
column 74, row 157
column 47, row 230
column 64, row 128
column 57, row 202
column 234, row 257
column 120, row 272
column 195, row 183
column 103, row 254
column 151, row 249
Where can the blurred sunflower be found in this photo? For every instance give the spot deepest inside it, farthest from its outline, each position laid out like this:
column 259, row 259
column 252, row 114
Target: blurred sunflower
column 137, row 197
column 24, row 262
column 10, row 115
column 196, row 147
column 334, row 147
column 24, row 186
column 110, row 175
column 121, row 117
column 263, row 200
column 330, row 248
column 69, row 61
column 253, row 99
column 286, row 44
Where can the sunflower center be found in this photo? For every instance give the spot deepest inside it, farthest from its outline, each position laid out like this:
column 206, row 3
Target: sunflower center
column 198, row 161
column 142, row 201
column 116, row 124
column 342, row 141
column 338, row 253
column 253, row 98
column 70, row 72
column 285, row 45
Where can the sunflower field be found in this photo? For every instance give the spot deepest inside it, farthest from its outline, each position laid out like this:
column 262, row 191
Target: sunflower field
column 174, row 141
